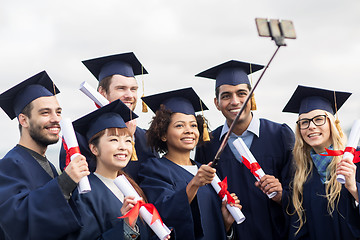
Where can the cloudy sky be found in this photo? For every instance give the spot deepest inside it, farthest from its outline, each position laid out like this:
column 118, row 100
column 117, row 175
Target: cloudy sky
column 175, row 40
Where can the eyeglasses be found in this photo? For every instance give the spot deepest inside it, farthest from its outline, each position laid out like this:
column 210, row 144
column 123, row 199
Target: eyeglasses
column 318, row 120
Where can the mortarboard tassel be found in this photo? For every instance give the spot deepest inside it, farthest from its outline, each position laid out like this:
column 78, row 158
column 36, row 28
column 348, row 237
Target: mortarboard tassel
column 253, row 103
column 206, row 135
column 144, row 106
column 338, row 127
column 133, row 155
column 337, row 121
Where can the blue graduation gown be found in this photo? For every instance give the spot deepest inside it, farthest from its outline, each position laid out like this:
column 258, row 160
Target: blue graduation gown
column 143, row 152
column 345, row 220
column 265, row 219
column 32, row 205
column 164, row 183
column 99, row 211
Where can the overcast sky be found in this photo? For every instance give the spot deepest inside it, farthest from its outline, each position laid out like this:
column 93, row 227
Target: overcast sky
column 175, row 40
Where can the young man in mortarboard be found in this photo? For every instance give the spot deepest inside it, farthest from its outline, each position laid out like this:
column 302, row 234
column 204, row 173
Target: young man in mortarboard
column 270, row 143
column 34, row 200
column 116, row 76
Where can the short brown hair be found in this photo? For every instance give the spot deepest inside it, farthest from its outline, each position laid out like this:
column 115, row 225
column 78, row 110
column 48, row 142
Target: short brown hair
column 159, row 126
column 27, row 112
column 105, row 83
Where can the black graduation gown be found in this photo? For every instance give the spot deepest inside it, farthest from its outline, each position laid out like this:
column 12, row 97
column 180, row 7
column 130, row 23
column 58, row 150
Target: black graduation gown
column 164, row 184
column 143, row 152
column 32, row 205
column 265, row 219
column 344, row 222
column 99, row 211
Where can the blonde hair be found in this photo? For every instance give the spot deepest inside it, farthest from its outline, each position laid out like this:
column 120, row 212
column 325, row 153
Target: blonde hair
column 304, row 166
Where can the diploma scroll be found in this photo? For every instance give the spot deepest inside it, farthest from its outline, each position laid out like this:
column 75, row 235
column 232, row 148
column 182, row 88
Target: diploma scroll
column 94, row 95
column 352, row 143
column 71, row 142
column 159, row 228
column 248, row 156
column 234, row 211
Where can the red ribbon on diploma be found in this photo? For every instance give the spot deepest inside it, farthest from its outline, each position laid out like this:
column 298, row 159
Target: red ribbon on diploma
column 97, row 105
column 69, row 152
column 224, row 192
column 134, row 212
column 341, row 152
column 253, row 167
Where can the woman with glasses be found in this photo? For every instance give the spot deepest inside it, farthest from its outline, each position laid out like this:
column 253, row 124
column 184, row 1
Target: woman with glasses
column 321, row 207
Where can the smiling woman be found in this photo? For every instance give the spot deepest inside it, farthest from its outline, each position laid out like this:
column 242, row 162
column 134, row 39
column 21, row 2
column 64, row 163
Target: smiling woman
column 178, row 186
column 318, row 200
column 110, row 143
column 315, row 129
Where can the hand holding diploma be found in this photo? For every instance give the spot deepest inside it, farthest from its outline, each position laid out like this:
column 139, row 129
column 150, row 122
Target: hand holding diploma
column 231, row 200
column 147, row 211
column 77, row 167
column 251, row 163
column 350, row 150
column 270, row 184
column 128, row 204
column 347, row 168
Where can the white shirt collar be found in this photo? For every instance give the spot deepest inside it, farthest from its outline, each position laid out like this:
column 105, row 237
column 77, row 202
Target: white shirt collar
column 109, row 183
column 254, row 127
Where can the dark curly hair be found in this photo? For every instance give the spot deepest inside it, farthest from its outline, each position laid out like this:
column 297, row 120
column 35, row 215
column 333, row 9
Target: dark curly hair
column 159, row 126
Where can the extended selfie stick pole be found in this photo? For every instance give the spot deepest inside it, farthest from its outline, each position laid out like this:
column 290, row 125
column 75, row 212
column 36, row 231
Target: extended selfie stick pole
column 278, row 31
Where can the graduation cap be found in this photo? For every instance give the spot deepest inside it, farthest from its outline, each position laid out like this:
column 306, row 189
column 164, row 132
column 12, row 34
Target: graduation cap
column 179, row 101
column 14, row 100
column 306, row 99
column 125, row 64
column 183, row 101
column 232, row 72
column 112, row 115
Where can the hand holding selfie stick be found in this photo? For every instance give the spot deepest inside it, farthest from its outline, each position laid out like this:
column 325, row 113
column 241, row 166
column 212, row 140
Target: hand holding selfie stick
column 73, row 150
column 278, row 31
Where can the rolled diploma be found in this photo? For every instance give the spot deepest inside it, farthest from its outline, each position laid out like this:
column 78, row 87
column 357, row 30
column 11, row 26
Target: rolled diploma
column 161, row 230
column 93, row 94
column 244, row 151
column 234, row 211
column 353, row 141
column 71, row 141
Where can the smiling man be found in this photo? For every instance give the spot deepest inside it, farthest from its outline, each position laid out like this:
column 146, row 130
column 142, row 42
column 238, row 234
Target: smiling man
column 116, row 76
column 271, row 144
column 34, row 201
